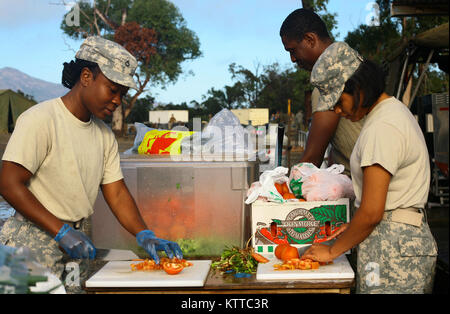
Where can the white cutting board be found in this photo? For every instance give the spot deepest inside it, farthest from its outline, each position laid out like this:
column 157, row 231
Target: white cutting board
column 340, row 269
column 118, row 274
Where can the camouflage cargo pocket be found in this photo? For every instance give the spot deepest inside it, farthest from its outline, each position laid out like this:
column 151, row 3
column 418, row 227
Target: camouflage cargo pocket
column 418, row 255
column 44, row 249
column 400, row 258
column 417, row 246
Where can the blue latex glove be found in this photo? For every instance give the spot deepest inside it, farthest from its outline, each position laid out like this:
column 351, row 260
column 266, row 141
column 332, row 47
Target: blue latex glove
column 76, row 244
column 151, row 244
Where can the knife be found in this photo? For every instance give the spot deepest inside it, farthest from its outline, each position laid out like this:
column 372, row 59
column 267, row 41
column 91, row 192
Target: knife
column 303, row 249
column 115, row 255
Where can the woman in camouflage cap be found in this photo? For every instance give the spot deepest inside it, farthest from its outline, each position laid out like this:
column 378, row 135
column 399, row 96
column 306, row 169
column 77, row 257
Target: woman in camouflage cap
column 59, row 155
column 391, row 178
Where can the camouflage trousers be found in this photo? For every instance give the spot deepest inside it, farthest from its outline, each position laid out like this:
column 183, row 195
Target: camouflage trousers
column 20, row 232
column 397, row 258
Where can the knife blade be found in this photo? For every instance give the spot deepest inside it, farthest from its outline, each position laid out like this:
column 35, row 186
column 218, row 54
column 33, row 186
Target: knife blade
column 115, row 255
column 303, row 249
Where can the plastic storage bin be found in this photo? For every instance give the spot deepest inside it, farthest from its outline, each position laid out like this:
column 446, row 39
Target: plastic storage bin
column 199, row 204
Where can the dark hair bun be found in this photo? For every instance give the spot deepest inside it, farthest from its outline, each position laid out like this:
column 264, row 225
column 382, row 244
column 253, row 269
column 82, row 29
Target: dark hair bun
column 68, row 79
column 72, row 71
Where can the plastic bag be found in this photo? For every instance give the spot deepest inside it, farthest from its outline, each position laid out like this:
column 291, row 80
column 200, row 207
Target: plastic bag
column 265, row 188
column 150, row 141
column 225, row 134
column 162, row 142
column 322, row 184
column 298, row 175
column 141, row 130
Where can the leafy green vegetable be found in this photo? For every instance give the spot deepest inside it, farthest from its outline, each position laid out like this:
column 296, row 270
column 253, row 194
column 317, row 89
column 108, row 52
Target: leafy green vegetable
column 236, row 260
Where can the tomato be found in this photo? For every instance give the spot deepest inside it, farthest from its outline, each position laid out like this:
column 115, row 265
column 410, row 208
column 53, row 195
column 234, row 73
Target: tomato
column 183, row 262
column 259, row 258
column 279, row 249
column 315, row 265
column 172, row 268
column 289, row 253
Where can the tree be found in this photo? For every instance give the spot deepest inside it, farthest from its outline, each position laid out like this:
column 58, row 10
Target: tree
column 141, row 42
column 139, row 112
column 281, row 85
column 379, row 42
column 29, row 97
column 270, row 88
column 376, row 42
column 249, row 83
column 169, row 44
column 230, row 97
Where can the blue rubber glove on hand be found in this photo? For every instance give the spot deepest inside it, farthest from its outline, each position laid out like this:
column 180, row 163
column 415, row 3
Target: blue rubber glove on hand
column 76, row 244
column 151, row 244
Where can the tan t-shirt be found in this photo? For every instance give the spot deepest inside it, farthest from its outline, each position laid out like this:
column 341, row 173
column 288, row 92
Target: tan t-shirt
column 392, row 138
column 344, row 138
column 69, row 158
column 343, row 142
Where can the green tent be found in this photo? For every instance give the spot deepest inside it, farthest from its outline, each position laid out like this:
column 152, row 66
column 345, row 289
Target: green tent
column 12, row 105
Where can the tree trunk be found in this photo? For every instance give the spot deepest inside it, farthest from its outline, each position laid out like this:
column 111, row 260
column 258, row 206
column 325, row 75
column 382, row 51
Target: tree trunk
column 308, row 4
column 117, row 121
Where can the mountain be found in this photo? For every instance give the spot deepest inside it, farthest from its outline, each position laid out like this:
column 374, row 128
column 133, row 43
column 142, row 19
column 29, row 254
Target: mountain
column 41, row 90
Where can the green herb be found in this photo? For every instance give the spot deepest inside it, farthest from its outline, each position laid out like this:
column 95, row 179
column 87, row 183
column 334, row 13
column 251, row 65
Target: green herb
column 236, row 260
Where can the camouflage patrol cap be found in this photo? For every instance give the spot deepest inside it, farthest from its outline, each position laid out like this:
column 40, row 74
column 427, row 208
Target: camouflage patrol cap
column 115, row 62
column 330, row 72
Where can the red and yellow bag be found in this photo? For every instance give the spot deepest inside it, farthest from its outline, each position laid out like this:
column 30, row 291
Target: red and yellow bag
column 163, row 142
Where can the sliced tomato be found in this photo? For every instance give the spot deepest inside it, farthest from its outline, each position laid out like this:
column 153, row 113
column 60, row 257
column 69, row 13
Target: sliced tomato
column 315, row 265
column 172, row 268
column 185, row 263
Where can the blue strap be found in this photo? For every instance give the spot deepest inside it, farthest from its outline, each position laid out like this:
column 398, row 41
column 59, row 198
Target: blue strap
column 62, row 232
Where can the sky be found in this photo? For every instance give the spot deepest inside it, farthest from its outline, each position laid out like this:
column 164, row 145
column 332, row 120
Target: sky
column 245, row 32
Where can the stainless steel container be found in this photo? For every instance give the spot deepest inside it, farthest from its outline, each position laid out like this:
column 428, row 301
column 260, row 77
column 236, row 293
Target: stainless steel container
column 199, row 204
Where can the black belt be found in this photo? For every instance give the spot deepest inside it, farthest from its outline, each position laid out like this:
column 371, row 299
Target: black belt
column 74, row 224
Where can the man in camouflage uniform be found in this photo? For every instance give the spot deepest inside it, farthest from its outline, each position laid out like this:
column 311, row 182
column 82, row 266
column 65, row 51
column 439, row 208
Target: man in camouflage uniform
column 305, row 37
column 58, row 156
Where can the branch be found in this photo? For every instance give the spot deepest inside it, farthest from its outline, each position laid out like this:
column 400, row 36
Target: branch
column 105, row 19
column 124, row 16
column 141, row 89
column 107, row 7
column 85, row 15
column 139, row 83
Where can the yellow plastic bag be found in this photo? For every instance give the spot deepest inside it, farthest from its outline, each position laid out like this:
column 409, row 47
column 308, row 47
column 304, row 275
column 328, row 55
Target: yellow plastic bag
column 163, row 142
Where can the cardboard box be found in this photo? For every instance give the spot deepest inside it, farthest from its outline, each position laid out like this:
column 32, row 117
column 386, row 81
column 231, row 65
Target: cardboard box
column 297, row 223
column 257, row 116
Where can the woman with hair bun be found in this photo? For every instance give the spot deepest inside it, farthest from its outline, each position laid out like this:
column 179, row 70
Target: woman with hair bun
column 396, row 252
column 61, row 152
